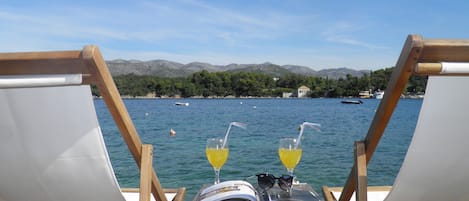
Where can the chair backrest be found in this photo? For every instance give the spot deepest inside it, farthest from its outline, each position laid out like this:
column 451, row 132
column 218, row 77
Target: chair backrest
column 437, row 161
column 418, row 57
column 91, row 65
column 51, row 146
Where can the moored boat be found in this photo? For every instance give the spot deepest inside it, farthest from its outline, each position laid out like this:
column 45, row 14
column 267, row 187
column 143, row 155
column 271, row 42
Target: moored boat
column 182, row 103
column 352, row 102
column 379, row 94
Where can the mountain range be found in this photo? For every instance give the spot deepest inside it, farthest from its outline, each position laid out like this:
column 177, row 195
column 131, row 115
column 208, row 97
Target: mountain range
column 163, row 68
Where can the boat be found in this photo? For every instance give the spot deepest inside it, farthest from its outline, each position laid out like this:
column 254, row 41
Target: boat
column 379, row 94
column 182, row 103
column 352, row 102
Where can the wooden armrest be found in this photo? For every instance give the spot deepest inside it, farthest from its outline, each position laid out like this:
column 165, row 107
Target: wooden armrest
column 180, row 193
column 361, row 178
column 145, row 172
column 326, row 191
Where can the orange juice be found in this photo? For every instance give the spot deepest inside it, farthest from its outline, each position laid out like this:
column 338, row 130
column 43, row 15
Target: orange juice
column 290, row 157
column 217, row 157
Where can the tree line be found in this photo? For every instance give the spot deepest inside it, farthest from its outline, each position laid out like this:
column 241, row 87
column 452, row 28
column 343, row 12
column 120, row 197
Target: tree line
column 245, row 84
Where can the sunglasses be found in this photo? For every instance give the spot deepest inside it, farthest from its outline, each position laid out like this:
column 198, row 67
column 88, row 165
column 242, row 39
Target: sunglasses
column 267, row 181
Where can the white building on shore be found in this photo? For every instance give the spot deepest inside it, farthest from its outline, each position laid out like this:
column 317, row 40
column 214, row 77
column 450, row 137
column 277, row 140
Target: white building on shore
column 303, row 91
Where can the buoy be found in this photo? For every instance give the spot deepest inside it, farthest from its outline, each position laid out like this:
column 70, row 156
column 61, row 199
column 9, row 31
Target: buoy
column 172, row 132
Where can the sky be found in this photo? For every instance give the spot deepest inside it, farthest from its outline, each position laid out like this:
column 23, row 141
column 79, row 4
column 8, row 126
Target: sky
column 362, row 35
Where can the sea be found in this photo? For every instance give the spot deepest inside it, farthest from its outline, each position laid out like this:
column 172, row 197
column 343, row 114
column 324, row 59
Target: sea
column 327, row 155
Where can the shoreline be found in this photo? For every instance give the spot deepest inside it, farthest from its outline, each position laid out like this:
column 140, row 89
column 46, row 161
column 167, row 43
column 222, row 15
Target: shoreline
column 248, row 97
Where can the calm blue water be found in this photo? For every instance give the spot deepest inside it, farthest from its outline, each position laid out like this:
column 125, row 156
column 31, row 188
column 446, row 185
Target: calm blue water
column 327, row 156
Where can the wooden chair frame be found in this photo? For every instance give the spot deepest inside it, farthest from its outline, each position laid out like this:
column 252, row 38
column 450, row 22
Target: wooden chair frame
column 418, row 57
column 90, row 63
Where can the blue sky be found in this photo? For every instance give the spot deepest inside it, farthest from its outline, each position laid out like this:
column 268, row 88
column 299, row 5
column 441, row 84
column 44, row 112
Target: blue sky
column 312, row 33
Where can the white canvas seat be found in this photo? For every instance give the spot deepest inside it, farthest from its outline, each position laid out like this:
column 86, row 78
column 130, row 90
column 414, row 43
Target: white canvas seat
column 437, row 160
column 51, row 145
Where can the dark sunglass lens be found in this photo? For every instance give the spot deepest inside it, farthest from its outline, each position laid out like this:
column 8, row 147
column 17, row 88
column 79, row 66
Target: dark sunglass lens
column 265, row 181
column 285, row 182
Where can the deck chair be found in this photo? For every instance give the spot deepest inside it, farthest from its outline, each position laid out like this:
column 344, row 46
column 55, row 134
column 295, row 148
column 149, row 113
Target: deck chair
column 437, row 161
column 51, row 145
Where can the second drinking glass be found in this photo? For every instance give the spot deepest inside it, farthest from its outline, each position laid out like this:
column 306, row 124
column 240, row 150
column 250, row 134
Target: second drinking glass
column 289, row 152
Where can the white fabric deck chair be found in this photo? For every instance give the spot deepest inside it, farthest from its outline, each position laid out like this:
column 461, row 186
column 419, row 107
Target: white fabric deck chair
column 437, row 160
column 51, row 145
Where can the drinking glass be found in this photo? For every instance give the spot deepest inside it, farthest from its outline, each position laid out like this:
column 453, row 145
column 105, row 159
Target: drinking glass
column 216, row 155
column 289, row 152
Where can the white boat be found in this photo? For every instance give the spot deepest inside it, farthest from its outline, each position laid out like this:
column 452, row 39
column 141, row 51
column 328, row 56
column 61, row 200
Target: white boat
column 181, row 104
column 379, row 94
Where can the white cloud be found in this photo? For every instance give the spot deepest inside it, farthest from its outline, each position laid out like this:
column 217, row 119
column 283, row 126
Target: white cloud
column 227, row 17
column 346, row 32
column 350, row 41
column 49, row 25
